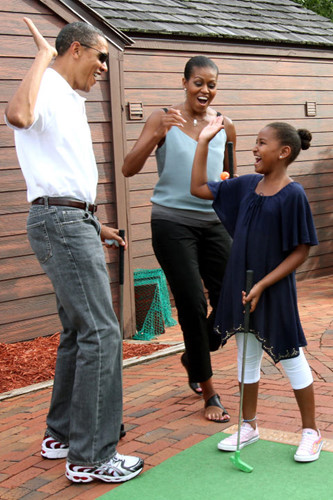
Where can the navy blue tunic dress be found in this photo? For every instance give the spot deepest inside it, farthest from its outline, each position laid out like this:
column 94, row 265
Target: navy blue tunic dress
column 265, row 230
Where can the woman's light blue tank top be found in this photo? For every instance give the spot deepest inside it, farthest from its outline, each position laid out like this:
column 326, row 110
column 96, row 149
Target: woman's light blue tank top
column 174, row 164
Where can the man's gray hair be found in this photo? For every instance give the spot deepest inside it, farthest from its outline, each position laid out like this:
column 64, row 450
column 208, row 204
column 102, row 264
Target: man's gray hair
column 76, row 32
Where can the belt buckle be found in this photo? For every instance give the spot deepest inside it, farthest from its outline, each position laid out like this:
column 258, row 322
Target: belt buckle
column 90, row 207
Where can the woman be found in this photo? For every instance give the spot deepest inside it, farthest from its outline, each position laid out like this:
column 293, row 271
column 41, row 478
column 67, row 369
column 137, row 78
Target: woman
column 189, row 242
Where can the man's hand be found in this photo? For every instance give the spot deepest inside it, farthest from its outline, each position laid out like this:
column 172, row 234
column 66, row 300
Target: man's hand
column 39, row 40
column 110, row 234
column 21, row 107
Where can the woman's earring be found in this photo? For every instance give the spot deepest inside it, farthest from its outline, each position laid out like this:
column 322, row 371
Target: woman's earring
column 185, row 90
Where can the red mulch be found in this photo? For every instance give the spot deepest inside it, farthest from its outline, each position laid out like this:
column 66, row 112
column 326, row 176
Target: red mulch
column 33, row 361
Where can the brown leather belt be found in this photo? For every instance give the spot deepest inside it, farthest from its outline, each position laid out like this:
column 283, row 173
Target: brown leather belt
column 66, row 202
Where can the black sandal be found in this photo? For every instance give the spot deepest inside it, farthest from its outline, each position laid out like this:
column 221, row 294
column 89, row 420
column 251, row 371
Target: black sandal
column 193, row 385
column 216, row 401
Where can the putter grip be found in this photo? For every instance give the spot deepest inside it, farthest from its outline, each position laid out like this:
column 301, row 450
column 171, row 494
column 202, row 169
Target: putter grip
column 230, row 147
column 121, row 258
column 249, row 281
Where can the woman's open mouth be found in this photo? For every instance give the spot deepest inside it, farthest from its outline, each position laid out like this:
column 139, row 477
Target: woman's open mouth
column 203, row 100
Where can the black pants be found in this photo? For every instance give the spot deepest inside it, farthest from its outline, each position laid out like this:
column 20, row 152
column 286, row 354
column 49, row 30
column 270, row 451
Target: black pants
column 193, row 258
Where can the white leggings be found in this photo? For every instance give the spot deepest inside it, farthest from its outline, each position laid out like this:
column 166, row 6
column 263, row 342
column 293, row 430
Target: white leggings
column 297, row 369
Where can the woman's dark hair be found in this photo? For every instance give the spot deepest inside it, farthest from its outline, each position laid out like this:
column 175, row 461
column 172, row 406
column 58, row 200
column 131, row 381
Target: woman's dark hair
column 198, row 62
column 289, row 136
column 76, row 32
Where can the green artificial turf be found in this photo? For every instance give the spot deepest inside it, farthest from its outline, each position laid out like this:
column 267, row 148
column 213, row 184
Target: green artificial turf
column 204, row 473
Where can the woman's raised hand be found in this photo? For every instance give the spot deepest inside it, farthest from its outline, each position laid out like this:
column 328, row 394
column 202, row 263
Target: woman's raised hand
column 41, row 43
column 210, row 130
column 172, row 118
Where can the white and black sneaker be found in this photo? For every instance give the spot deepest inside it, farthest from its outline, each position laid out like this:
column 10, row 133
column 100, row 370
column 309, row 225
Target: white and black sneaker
column 117, row 470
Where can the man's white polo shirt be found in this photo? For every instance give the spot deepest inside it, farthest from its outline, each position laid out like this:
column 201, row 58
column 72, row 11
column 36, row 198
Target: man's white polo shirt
column 55, row 153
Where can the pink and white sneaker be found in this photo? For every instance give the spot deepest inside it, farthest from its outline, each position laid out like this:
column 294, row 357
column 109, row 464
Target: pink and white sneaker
column 51, row 448
column 248, row 435
column 117, row 470
column 310, row 446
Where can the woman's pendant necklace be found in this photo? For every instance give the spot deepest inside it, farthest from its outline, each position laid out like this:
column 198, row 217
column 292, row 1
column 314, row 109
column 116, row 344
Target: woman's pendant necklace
column 195, row 120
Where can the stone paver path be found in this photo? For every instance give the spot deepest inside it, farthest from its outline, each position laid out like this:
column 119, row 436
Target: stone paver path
column 162, row 416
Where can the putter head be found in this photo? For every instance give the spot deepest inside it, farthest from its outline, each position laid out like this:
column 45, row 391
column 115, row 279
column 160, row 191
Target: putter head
column 236, row 460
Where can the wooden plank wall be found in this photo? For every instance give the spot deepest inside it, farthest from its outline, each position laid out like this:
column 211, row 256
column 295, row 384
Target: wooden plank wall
column 27, row 302
column 253, row 90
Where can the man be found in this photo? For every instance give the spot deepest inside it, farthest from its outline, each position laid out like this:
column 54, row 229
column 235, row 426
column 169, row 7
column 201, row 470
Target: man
column 55, row 153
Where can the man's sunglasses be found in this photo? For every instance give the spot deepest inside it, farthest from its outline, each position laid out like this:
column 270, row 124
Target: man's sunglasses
column 102, row 56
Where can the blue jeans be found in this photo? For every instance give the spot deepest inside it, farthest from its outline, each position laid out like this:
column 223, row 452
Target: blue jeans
column 86, row 405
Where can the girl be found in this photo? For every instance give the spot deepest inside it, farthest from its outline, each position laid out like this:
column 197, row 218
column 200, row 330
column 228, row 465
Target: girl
column 268, row 216
column 189, row 241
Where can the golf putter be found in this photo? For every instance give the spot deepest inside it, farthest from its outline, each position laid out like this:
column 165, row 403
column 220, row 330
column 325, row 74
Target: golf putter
column 121, row 283
column 235, row 458
column 230, row 146
column 121, row 278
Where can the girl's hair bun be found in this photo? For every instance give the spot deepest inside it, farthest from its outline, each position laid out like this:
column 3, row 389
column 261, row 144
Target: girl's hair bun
column 305, row 136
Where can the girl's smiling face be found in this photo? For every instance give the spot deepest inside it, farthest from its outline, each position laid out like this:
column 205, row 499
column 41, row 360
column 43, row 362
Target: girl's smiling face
column 201, row 88
column 267, row 150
